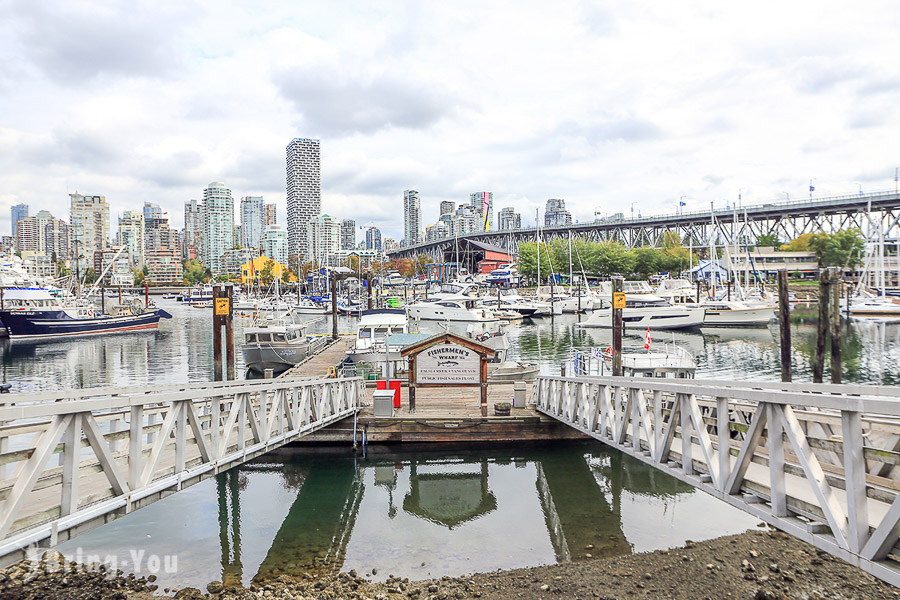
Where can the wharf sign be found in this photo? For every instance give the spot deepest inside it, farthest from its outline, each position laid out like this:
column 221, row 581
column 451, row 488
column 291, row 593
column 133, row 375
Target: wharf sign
column 448, row 363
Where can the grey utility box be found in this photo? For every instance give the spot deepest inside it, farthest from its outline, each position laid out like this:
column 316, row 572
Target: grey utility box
column 519, row 393
column 383, row 403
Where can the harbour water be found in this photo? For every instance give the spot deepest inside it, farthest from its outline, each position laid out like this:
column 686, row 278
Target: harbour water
column 425, row 513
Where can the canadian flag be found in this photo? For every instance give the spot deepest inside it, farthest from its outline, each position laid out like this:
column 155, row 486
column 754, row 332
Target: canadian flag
column 647, row 341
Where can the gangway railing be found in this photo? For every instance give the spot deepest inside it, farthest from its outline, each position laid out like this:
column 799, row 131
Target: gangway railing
column 70, row 461
column 816, row 461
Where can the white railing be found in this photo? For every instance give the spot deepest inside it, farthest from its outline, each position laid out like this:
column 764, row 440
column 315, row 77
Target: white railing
column 819, row 464
column 72, row 460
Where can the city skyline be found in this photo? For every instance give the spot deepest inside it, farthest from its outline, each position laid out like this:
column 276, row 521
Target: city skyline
column 724, row 102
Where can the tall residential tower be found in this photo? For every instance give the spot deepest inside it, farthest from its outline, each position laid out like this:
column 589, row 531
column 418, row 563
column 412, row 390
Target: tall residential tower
column 412, row 218
column 304, row 193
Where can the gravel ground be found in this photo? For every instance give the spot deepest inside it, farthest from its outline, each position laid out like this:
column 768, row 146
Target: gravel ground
column 758, row 565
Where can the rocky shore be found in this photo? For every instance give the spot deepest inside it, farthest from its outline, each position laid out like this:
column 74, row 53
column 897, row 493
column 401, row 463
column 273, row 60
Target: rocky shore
column 758, row 565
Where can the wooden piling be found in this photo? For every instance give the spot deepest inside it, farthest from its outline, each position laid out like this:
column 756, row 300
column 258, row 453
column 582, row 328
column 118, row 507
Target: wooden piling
column 334, row 331
column 617, row 326
column 822, row 325
column 369, row 292
column 229, row 334
column 217, row 335
column 784, row 324
column 146, row 295
column 834, row 321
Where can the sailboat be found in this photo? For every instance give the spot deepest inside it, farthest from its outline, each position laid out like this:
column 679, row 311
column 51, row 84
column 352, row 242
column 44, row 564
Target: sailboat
column 865, row 303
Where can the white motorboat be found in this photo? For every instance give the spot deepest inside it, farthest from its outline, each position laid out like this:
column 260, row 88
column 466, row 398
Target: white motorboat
column 673, row 362
column 725, row 313
column 372, row 332
column 511, row 370
column 461, row 308
column 868, row 305
column 307, row 307
column 276, row 347
column 644, row 310
column 677, row 291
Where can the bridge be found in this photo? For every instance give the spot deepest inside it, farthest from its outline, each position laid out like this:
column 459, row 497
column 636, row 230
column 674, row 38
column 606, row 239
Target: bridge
column 816, row 461
column 71, row 461
column 743, row 225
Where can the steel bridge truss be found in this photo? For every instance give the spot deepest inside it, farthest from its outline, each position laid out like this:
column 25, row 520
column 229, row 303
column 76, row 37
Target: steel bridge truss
column 816, row 461
column 120, row 449
column 729, row 227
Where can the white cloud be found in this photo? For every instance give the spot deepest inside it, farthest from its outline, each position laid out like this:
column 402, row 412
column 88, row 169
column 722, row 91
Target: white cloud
column 605, row 106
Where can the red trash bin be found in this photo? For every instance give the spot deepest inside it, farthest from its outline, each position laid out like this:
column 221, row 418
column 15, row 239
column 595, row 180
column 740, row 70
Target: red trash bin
column 395, row 385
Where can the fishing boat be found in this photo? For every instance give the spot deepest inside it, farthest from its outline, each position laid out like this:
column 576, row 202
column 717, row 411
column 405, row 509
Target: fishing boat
column 372, row 332
column 40, row 313
column 277, row 347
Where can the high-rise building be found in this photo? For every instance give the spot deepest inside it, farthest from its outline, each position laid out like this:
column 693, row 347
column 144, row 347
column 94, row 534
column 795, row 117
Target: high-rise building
column 236, row 237
column 254, row 216
column 555, row 213
column 193, row 231
column 373, row 239
column 466, row 220
column 270, row 214
column 412, row 218
column 324, row 239
column 157, row 233
column 483, row 203
column 131, row 236
column 275, row 243
column 304, row 193
column 509, row 218
column 17, row 213
column 88, row 227
column 390, row 244
column 448, row 207
column 217, row 225
column 436, row 232
column 348, row 234
column 43, row 234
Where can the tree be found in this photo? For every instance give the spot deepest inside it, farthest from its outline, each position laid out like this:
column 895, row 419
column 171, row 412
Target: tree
column 353, row 262
column 798, row 244
column 90, row 276
column 670, row 239
column 646, row 261
column 268, row 273
column 422, row 262
column 528, row 260
column 194, row 272
column 294, row 264
column 768, row 240
column 842, row 249
column 610, row 258
column 287, row 275
column 138, row 277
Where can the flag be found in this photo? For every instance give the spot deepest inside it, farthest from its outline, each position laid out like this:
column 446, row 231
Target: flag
column 647, row 341
column 812, row 188
column 681, row 204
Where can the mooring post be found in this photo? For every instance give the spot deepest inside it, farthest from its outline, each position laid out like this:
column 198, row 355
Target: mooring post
column 729, row 290
column 217, row 335
column 784, row 324
column 484, row 409
column 102, row 298
column 698, row 290
column 834, row 320
column 618, row 300
column 848, row 288
column 146, row 295
column 368, row 292
column 334, row 332
column 229, row 333
column 821, row 326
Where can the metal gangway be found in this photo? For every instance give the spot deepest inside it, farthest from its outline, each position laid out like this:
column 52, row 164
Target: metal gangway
column 817, row 461
column 73, row 460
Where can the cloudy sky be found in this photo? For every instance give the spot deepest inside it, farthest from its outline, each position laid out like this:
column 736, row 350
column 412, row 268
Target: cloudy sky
column 609, row 105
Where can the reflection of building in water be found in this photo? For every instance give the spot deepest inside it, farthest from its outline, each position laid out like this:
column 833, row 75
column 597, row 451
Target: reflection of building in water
column 449, row 499
column 228, row 491
column 316, row 530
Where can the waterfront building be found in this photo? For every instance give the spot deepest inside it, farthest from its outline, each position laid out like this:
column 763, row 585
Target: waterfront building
column 389, row 245
column 88, row 226
column 304, row 193
column 254, row 271
column 233, row 258
column 366, row 258
column 412, row 218
column 275, row 243
column 131, row 235
column 436, row 232
column 163, row 266
column 193, row 231
column 324, row 240
column 270, row 214
column 348, row 234
column 43, row 235
column 483, row 204
column 17, row 213
column 217, row 225
column 254, row 217
column 373, row 239
column 555, row 213
column 509, row 219
column 118, row 268
column 38, row 265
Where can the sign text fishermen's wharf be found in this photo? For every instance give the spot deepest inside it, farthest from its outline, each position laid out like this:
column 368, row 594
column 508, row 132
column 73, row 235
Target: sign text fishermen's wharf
column 447, row 360
column 448, row 363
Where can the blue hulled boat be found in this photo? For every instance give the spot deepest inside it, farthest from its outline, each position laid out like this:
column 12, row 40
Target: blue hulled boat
column 37, row 313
